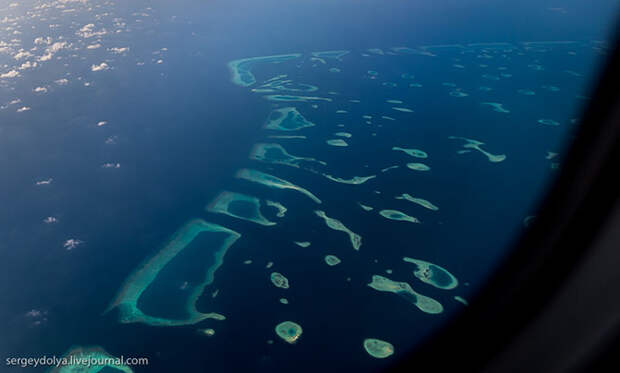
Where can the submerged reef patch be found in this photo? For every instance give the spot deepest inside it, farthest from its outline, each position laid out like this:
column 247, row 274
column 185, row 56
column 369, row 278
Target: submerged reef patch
column 89, row 360
column 475, row 144
column 287, row 137
column 206, row 332
column 287, row 119
column 397, row 215
column 355, row 180
column 526, row 92
column 403, row 109
column 289, row 331
column 403, row 289
column 336, row 54
column 146, row 274
column 378, row 348
column 277, row 205
column 336, row 142
column 419, row 201
column 461, row 300
column 364, row 207
column 273, row 182
column 241, row 69
column 332, row 260
column 279, row 280
column 275, row 153
column 356, row 239
column 433, row 274
column 240, row 206
column 458, row 93
column 389, row 168
column 497, row 107
column 418, row 166
column 292, row 98
column 285, row 85
column 412, row 152
column 549, row 122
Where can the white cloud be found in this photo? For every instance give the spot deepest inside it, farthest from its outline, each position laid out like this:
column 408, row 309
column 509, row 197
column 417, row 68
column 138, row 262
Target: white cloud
column 111, row 165
column 54, row 48
column 87, row 28
column 23, row 108
column 57, row 46
column 40, row 90
column 93, row 46
column 34, row 313
column 28, row 65
column 41, row 40
column 44, row 182
column 45, row 57
column 37, row 317
column 119, row 50
column 72, row 243
column 62, row 81
column 101, row 67
column 87, row 31
column 22, row 54
column 10, row 74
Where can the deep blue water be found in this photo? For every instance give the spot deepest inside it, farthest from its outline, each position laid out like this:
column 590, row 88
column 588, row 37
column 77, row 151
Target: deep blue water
column 180, row 130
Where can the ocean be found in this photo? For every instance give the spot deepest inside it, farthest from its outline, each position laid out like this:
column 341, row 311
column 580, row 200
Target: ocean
column 127, row 123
